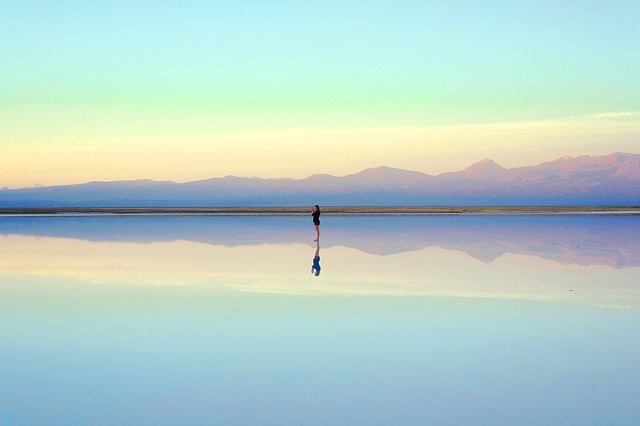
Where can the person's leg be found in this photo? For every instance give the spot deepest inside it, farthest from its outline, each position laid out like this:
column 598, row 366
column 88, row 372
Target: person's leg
column 317, row 232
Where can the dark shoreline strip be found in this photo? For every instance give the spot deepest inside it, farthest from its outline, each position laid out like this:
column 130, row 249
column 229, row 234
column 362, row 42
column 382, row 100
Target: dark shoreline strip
column 328, row 210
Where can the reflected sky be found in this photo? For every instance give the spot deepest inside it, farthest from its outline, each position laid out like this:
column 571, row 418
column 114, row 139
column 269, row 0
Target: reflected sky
column 412, row 320
column 535, row 258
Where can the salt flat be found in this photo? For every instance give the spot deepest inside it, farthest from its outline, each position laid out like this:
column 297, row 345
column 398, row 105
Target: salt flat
column 412, row 319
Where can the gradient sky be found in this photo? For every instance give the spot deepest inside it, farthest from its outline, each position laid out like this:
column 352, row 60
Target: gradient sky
column 190, row 90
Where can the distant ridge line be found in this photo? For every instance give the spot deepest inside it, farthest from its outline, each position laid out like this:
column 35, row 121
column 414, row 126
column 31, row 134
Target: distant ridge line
column 612, row 180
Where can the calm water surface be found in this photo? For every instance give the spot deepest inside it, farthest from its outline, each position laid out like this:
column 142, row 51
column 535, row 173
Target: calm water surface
column 515, row 320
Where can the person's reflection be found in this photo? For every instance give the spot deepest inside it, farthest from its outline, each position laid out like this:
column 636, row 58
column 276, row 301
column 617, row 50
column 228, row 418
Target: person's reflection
column 315, row 268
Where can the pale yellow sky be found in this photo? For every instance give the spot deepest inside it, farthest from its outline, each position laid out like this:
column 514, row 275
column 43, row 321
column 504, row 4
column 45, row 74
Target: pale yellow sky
column 185, row 91
column 299, row 152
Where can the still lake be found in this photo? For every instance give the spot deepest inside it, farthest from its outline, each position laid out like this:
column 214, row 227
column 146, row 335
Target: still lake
column 412, row 320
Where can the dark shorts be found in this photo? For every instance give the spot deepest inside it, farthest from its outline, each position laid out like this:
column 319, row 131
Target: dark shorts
column 316, row 222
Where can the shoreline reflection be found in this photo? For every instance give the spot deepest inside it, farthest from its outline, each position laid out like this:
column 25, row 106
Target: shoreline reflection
column 585, row 240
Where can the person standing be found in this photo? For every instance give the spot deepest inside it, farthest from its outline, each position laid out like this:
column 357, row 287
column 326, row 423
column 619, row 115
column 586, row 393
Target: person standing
column 315, row 211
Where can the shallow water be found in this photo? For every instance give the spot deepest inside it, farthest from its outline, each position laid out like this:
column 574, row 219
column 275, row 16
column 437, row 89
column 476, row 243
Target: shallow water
column 411, row 320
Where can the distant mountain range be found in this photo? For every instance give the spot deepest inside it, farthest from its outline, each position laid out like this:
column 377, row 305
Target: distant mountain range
column 585, row 180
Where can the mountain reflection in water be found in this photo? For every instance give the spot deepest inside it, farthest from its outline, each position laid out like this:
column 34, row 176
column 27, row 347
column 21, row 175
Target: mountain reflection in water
column 580, row 240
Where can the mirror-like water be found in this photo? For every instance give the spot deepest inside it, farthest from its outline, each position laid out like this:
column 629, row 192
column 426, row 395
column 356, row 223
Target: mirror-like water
column 410, row 320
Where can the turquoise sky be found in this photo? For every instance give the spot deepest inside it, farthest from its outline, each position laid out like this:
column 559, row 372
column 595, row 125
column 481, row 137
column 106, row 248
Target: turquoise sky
column 78, row 73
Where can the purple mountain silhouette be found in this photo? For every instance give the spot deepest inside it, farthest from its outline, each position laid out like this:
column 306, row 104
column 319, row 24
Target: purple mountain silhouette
column 602, row 180
column 485, row 170
column 385, row 177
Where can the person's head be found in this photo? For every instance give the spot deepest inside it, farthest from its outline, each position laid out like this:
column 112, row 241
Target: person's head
column 315, row 271
column 317, row 207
